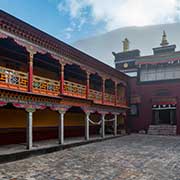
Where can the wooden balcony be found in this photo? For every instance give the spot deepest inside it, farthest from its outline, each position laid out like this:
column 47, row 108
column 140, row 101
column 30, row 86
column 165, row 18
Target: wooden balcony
column 121, row 101
column 96, row 96
column 12, row 79
column 109, row 99
column 43, row 85
column 17, row 80
column 74, row 89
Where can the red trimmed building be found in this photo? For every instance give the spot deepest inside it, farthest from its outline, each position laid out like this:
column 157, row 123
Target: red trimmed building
column 50, row 90
column 155, row 88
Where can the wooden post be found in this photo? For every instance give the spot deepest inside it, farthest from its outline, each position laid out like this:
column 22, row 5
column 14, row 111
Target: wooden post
column 29, row 128
column 103, row 90
column 115, row 94
column 30, row 75
column 87, row 86
column 62, row 79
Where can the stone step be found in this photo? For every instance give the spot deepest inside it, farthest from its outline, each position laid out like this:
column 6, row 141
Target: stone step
column 162, row 129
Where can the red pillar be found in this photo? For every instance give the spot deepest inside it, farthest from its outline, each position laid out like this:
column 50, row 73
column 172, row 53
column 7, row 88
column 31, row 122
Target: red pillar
column 30, row 76
column 103, row 89
column 115, row 102
column 62, row 79
column 87, row 86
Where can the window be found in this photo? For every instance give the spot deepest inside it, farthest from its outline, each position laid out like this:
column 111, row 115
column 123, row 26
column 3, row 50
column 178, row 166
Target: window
column 134, row 110
column 158, row 73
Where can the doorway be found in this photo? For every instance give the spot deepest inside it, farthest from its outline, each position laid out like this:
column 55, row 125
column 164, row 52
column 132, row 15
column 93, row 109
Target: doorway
column 164, row 116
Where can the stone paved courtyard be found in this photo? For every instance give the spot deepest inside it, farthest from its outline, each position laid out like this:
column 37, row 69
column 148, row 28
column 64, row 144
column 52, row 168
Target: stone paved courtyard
column 134, row 157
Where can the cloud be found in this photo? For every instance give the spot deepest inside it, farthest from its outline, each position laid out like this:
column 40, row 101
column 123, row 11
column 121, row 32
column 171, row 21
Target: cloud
column 67, row 32
column 67, row 36
column 120, row 13
column 74, row 7
column 69, row 29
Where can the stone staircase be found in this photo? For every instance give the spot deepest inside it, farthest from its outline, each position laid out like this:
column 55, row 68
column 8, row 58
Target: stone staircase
column 162, row 130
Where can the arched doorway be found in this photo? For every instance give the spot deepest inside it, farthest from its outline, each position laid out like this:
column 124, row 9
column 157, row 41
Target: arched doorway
column 121, row 94
column 46, row 74
column 95, row 85
column 75, row 80
column 109, row 98
column 13, row 65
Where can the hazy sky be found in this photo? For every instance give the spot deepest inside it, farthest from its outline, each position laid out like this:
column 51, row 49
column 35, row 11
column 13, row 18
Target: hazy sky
column 71, row 20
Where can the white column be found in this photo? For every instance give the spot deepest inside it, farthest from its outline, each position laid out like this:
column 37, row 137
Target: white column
column 87, row 126
column 29, row 128
column 103, row 126
column 61, row 128
column 115, row 124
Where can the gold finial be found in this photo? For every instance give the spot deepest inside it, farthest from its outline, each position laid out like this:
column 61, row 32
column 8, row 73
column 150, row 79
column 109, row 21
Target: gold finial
column 126, row 45
column 164, row 41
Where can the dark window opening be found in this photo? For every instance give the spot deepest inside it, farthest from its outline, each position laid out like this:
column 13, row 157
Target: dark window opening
column 95, row 82
column 134, row 110
column 164, row 116
column 75, row 74
column 109, row 86
column 46, row 66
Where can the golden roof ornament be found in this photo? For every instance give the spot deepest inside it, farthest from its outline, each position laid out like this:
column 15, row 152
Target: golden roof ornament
column 126, row 45
column 164, row 41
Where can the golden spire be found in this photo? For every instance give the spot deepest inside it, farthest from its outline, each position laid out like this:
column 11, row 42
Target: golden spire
column 126, row 45
column 164, row 41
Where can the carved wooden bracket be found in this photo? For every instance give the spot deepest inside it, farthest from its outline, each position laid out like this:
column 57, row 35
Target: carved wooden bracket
column 60, row 108
column 3, row 103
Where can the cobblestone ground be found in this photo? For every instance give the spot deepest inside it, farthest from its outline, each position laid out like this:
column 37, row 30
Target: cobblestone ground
column 134, row 157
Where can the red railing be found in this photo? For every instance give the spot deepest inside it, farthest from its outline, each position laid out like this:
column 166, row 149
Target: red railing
column 47, row 86
column 96, row 96
column 18, row 80
column 13, row 79
column 109, row 99
column 74, row 89
column 121, row 101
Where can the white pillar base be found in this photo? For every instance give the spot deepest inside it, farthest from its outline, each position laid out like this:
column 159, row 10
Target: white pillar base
column 61, row 128
column 103, row 126
column 29, row 128
column 87, row 126
column 115, row 125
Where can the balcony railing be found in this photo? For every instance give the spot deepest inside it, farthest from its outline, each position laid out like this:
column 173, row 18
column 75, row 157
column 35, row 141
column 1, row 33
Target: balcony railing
column 121, row 101
column 17, row 80
column 96, row 96
column 74, row 89
column 109, row 99
column 43, row 85
column 13, row 79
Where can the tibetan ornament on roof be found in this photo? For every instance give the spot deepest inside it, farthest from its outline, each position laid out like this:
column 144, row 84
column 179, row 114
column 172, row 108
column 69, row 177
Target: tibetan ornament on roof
column 126, row 45
column 164, row 41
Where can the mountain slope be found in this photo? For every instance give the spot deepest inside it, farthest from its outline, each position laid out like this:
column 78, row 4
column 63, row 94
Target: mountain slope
column 142, row 38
